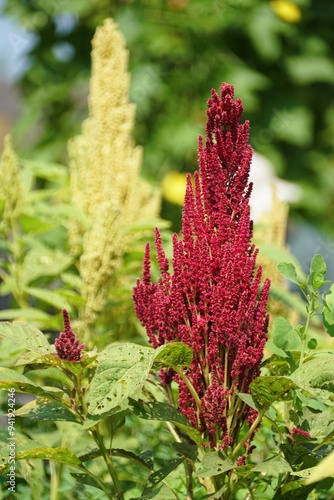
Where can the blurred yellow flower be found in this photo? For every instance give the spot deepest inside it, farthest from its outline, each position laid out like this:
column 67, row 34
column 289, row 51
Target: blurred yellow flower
column 288, row 11
column 174, row 187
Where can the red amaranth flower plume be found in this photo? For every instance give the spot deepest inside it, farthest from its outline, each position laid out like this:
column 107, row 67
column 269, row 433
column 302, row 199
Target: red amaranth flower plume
column 213, row 300
column 67, row 345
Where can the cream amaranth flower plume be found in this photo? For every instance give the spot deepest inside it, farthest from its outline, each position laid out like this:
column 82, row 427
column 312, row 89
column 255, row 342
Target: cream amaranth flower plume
column 67, row 345
column 213, row 299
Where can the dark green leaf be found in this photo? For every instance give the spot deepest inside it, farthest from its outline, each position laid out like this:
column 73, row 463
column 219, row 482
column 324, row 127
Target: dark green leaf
column 156, row 477
column 295, row 490
column 266, row 390
column 186, row 450
column 165, row 412
column 89, row 481
column 312, row 344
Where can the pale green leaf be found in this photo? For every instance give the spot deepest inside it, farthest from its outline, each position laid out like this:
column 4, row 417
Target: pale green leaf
column 274, row 466
column 26, row 335
column 121, row 373
column 317, row 377
column 285, row 336
column 213, row 465
column 288, row 270
column 42, row 261
column 24, row 314
column 49, row 297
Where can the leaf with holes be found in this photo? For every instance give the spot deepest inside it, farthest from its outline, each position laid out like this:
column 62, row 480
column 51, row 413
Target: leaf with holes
column 156, row 477
column 121, row 373
column 213, row 465
column 317, row 377
column 165, row 412
column 266, row 390
column 44, row 409
column 26, row 335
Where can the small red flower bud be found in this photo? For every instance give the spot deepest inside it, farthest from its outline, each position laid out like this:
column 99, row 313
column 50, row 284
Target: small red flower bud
column 67, row 345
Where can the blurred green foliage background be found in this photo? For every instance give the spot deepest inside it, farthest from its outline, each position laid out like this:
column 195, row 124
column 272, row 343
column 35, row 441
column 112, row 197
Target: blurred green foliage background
column 277, row 54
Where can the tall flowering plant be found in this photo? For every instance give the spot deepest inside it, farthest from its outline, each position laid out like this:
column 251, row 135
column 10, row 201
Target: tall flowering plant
column 213, row 300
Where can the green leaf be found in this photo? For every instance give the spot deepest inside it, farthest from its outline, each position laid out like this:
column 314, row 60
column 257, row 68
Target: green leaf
column 26, row 335
column 318, row 266
column 288, row 270
column 285, row 336
column 42, row 261
column 324, row 469
column 295, row 490
column 317, row 272
column 187, row 450
column 21, row 444
column 27, row 313
column 317, row 377
column 12, row 379
column 274, row 466
column 328, row 312
column 49, row 297
column 47, row 170
column 312, row 403
column 247, row 398
column 213, row 465
column 88, row 481
column 44, row 409
column 276, row 350
column 156, row 477
column 174, row 354
column 121, row 373
column 266, row 390
column 164, row 412
column 62, row 455
column 312, row 344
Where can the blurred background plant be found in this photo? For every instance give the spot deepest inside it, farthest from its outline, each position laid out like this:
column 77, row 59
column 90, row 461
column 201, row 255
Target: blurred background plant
column 277, row 54
column 68, row 235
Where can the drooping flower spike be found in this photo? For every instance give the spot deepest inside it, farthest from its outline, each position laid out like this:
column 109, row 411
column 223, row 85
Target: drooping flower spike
column 67, row 345
column 213, row 299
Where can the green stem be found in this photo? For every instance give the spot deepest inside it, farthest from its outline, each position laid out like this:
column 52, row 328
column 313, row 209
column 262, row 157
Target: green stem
column 54, row 483
column 100, row 443
column 189, row 386
column 191, row 390
column 308, row 319
column 248, row 433
column 109, row 463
